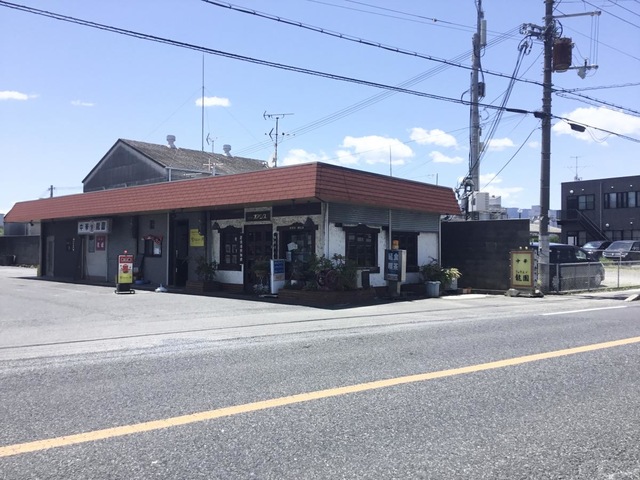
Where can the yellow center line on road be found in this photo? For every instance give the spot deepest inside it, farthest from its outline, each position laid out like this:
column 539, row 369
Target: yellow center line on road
column 21, row 448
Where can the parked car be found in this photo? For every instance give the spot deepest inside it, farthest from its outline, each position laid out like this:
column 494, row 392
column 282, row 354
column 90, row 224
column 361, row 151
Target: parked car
column 571, row 268
column 623, row 250
column 594, row 249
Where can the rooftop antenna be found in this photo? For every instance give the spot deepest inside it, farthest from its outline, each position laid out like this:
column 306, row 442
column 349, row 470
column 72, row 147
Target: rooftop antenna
column 277, row 116
column 202, row 100
column 211, row 165
column 576, row 178
column 211, row 141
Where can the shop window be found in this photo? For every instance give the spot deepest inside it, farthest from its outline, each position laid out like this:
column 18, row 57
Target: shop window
column 298, row 247
column 408, row 241
column 362, row 246
column 230, row 249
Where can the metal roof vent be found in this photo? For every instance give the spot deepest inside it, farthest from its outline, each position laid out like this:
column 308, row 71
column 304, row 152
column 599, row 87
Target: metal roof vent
column 227, row 149
column 171, row 140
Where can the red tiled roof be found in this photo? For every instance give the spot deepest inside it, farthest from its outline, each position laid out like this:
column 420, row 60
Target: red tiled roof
column 313, row 181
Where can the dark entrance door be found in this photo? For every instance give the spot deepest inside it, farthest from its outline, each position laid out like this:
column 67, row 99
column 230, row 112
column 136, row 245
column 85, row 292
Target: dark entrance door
column 258, row 249
column 181, row 253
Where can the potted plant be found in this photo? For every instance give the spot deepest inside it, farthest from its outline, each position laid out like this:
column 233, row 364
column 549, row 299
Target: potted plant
column 450, row 278
column 446, row 277
column 206, row 272
column 328, row 282
column 260, row 273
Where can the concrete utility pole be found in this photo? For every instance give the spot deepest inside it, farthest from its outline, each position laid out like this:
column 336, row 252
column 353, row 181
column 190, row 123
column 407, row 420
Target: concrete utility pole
column 548, row 35
column 477, row 92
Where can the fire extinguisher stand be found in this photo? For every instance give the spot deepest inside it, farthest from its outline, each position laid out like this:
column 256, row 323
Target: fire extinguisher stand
column 124, row 277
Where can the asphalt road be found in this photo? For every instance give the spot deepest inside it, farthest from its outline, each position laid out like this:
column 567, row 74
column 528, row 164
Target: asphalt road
column 95, row 385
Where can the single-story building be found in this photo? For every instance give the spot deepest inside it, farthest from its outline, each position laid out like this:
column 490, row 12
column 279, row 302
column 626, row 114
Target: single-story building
column 238, row 220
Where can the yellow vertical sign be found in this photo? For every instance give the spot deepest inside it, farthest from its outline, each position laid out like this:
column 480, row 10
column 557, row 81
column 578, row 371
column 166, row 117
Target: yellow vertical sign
column 521, row 269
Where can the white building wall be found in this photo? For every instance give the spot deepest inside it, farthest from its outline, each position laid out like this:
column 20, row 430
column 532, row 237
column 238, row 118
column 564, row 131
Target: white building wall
column 328, row 244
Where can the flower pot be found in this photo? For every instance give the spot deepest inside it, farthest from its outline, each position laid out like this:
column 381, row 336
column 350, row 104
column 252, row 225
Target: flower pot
column 433, row 289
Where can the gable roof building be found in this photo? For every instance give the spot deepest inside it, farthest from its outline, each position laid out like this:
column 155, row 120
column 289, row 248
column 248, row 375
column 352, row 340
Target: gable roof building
column 159, row 204
column 131, row 162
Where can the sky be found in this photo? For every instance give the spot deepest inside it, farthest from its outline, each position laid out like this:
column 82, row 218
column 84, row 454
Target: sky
column 68, row 91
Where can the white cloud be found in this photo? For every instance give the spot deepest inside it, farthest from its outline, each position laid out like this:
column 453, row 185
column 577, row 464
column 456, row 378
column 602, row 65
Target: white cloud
column 599, row 117
column 12, row 95
column 79, row 103
column 439, row 157
column 297, row 156
column 534, row 144
column 213, row 102
column 376, row 149
column 499, row 144
column 495, row 189
column 371, row 150
column 433, row 137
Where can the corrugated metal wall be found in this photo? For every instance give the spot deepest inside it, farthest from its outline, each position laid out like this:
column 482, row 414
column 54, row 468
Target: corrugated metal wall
column 124, row 168
column 372, row 216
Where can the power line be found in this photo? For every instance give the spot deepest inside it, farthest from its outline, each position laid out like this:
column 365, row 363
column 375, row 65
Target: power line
column 257, row 61
column 602, row 87
column 595, row 102
column 281, row 66
column 612, row 14
column 371, row 100
column 347, row 37
column 344, row 36
column 628, row 10
column 512, row 157
column 430, row 21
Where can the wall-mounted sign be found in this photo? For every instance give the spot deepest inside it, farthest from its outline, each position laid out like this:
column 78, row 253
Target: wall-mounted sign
column 261, row 216
column 101, row 242
column 91, row 227
column 195, row 239
column 521, row 269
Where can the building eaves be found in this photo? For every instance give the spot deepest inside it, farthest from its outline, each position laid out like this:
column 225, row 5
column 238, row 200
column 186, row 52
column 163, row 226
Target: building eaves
column 308, row 182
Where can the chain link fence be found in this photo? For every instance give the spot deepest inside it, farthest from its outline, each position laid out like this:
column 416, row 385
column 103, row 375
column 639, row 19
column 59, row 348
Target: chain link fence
column 594, row 275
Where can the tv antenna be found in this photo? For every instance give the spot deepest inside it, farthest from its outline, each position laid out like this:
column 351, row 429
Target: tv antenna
column 211, row 164
column 277, row 116
column 576, row 178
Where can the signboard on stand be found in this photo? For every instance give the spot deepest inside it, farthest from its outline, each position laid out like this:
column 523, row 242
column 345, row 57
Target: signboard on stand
column 125, row 268
column 124, row 277
column 277, row 275
column 521, row 272
column 395, row 265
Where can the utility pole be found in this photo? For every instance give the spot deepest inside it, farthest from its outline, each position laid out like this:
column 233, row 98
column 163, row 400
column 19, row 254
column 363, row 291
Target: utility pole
column 471, row 183
column 557, row 57
column 477, row 92
column 277, row 116
column 202, row 109
column 548, row 35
